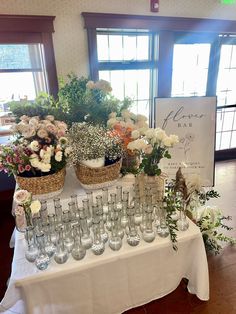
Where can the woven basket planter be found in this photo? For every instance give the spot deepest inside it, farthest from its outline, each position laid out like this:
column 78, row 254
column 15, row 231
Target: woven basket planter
column 45, row 186
column 95, row 178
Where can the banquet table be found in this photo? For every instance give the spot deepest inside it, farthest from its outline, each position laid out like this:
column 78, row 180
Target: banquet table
column 111, row 283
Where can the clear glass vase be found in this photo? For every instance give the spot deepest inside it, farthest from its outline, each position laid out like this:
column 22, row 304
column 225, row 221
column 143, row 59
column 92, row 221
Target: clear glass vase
column 31, row 252
column 42, row 260
column 115, row 242
column 133, row 237
column 162, row 229
column 68, row 238
column 86, row 238
column 61, row 255
column 78, row 252
column 98, row 246
column 182, row 222
column 148, row 232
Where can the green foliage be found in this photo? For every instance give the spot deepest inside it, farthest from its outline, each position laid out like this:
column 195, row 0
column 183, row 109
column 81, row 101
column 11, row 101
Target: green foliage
column 75, row 103
column 170, row 206
column 150, row 162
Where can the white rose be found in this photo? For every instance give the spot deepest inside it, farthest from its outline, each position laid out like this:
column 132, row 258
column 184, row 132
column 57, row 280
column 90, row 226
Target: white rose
column 22, row 196
column 44, row 167
column 174, row 139
column 150, row 133
column 34, row 160
column 160, row 134
column 135, row 134
column 46, row 158
column 167, row 142
column 58, row 156
column 42, row 133
column 34, row 145
column 35, row 207
column 29, row 131
column 141, row 117
column 34, row 122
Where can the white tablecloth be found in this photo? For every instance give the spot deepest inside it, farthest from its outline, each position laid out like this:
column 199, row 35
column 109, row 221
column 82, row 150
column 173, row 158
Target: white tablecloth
column 110, row 283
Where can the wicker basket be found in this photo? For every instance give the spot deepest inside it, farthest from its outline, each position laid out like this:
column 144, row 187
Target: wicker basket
column 50, row 185
column 94, row 178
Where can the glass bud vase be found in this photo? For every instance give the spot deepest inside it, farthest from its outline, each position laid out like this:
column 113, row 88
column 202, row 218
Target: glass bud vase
column 105, row 203
column 68, row 239
column 98, row 246
column 32, row 250
column 138, row 211
column 89, row 208
column 78, row 252
column 99, row 212
column 61, row 255
column 124, row 218
column 163, row 229
column 42, row 261
column 148, row 232
column 115, row 242
column 86, row 239
column 50, row 248
column 182, row 222
column 133, row 237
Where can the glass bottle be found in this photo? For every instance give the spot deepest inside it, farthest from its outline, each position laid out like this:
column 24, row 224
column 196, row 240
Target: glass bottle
column 138, row 210
column 68, row 239
column 58, row 214
column 44, row 212
column 61, row 255
column 38, row 225
column 143, row 224
column 119, row 197
column 133, row 237
column 32, row 250
column 57, row 202
column 110, row 210
column 113, row 199
column 98, row 246
column 50, row 248
column 99, row 212
column 72, row 211
column 115, row 242
column 52, row 228
column 105, row 203
column 78, row 252
column 89, row 208
column 163, row 229
column 42, row 261
column 124, row 218
column 74, row 199
column 182, row 222
column 86, row 239
column 120, row 230
column 148, row 232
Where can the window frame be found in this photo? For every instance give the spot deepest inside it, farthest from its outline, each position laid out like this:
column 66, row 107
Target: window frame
column 169, row 29
column 28, row 29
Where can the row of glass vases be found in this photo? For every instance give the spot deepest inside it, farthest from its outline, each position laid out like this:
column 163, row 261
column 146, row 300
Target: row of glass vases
column 108, row 218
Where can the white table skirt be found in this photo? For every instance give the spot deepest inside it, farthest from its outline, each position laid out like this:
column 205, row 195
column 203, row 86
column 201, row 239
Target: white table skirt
column 110, row 283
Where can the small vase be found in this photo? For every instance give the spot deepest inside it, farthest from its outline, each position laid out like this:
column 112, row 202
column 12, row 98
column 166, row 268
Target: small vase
column 155, row 185
column 182, row 222
column 94, row 163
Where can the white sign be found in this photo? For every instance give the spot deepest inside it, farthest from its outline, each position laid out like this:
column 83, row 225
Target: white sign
column 193, row 120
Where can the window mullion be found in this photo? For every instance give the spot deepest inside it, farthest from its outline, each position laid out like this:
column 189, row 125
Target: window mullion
column 213, row 67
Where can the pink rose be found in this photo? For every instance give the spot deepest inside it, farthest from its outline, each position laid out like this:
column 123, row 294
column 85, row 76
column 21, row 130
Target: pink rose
column 21, row 168
column 9, row 159
column 22, row 196
column 27, row 167
column 19, row 210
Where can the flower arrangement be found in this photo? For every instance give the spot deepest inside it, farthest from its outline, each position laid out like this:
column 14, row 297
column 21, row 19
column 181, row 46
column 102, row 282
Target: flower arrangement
column 89, row 141
column 39, row 148
column 209, row 219
column 128, row 126
column 25, row 206
column 152, row 147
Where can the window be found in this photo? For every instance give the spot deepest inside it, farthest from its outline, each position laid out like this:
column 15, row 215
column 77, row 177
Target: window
column 125, row 59
column 27, row 63
column 191, row 57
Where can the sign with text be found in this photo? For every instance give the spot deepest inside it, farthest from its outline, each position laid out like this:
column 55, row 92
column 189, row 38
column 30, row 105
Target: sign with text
column 193, row 119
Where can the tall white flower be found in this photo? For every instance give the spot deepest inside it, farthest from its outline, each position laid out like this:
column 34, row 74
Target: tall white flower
column 34, row 145
column 58, row 156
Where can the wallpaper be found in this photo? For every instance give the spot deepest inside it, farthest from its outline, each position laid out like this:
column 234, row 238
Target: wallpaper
column 70, row 38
